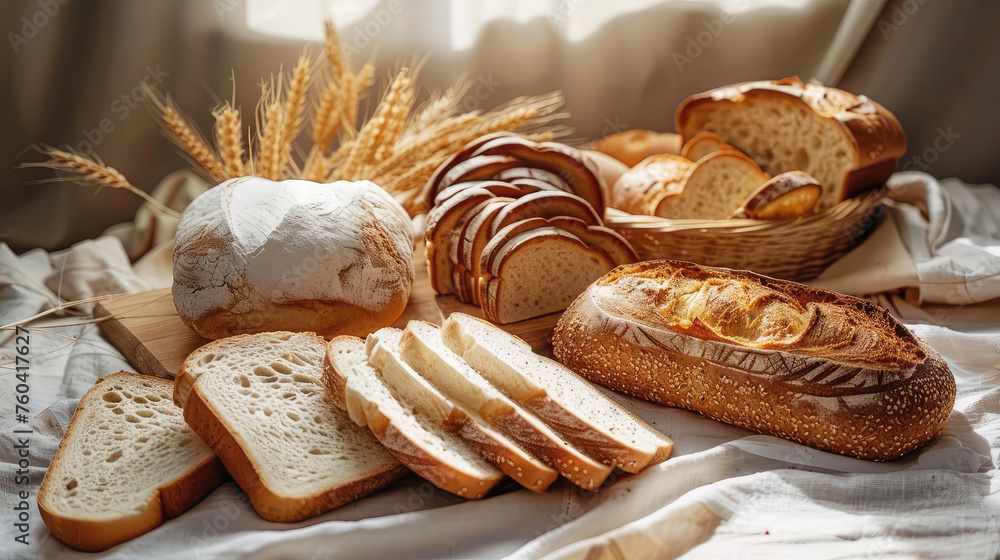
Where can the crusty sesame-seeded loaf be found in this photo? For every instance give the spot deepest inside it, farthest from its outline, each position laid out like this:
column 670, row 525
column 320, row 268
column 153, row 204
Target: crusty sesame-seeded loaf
column 126, row 463
column 848, row 142
column 830, row 371
column 254, row 255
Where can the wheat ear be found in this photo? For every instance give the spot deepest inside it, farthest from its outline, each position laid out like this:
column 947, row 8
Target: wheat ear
column 90, row 172
column 184, row 134
column 294, row 113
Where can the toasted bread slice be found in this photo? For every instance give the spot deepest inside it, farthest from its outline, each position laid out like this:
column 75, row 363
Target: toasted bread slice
column 415, row 392
column 126, row 463
column 538, row 272
column 259, row 402
column 787, row 196
column 719, row 183
column 702, row 144
column 571, row 405
column 422, row 348
column 432, row 452
column 641, row 188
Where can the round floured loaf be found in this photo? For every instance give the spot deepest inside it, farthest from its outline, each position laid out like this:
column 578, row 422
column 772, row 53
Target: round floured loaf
column 254, row 255
column 816, row 367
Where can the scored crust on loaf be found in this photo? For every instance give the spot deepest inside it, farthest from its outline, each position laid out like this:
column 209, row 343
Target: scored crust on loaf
column 418, row 394
column 717, row 185
column 260, row 403
column 421, row 346
column 538, row 272
column 126, row 463
column 567, row 402
column 787, row 196
column 440, row 457
column 255, row 255
column 830, row 371
column 639, row 189
column 847, row 142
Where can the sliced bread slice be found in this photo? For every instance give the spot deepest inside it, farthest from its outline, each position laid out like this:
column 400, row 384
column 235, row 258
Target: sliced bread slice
column 545, row 205
column 702, row 144
column 259, row 402
column 719, row 183
column 433, row 185
column 441, row 222
column 538, row 272
column 498, row 188
column 415, row 392
column 440, row 457
column 787, row 196
column 126, row 463
column 422, row 348
column 523, row 174
column 570, row 404
column 474, row 237
column 479, row 168
column 639, row 189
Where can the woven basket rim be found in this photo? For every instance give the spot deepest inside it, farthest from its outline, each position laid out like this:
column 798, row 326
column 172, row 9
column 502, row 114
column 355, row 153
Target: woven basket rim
column 863, row 203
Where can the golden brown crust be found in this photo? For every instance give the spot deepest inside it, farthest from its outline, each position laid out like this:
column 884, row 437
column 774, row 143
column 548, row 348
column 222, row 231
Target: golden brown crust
column 823, row 369
column 702, row 144
column 641, row 188
column 873, row 131
column 169, row 501
column 632, row 146
column 326, row 318
column 787, row 196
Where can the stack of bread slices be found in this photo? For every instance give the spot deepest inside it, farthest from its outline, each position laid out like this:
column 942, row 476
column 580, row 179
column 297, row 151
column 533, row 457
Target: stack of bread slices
column 304, row 426
column 517, row 227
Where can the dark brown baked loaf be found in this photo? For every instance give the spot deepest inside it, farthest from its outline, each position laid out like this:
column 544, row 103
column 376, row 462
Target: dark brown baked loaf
column 816, row 367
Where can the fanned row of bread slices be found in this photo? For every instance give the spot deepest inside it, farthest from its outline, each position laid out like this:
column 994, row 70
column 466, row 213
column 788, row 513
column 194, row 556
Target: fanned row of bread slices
column 517, row 227
column 711, row 180
column 304, row 426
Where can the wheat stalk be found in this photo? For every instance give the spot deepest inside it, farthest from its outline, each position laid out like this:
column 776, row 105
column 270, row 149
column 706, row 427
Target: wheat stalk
column 85, row 170
column 294, row 113
column 229, row 139
column 334, row 54
column 185, row 135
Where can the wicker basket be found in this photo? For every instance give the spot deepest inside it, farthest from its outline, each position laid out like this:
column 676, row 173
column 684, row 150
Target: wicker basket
column 792, row 249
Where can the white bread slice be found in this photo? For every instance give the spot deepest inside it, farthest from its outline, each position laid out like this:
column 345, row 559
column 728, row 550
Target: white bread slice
column 440, row 457
column 605, row 239
column 639, row 189
column 538, row 272
column 558, row 396
column 422, row 348
column 787, row 196
column 259, row 402
column 419, row 395
column 702, row 144
column 441, row 222
column 545, row 205
column 719, row 183
column 126, row 463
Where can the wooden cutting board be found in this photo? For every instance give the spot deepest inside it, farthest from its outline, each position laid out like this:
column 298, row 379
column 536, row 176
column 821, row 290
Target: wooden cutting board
column 146, row 329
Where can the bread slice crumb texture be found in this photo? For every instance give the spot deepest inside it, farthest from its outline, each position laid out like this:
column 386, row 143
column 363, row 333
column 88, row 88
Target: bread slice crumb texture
column 267, row 391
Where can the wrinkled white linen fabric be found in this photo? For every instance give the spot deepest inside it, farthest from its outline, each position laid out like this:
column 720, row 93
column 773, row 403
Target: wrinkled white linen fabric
column 725, row 493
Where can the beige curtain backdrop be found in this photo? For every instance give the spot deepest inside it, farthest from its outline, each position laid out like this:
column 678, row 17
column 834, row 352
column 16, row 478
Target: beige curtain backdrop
column 72, row 69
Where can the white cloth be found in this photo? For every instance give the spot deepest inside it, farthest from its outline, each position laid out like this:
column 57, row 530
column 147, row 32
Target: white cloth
column 725, row 493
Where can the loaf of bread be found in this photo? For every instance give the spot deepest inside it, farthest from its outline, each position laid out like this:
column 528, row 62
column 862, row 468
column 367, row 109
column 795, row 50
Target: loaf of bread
column 254, row 255
column 823, row 369
column 848, row 142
